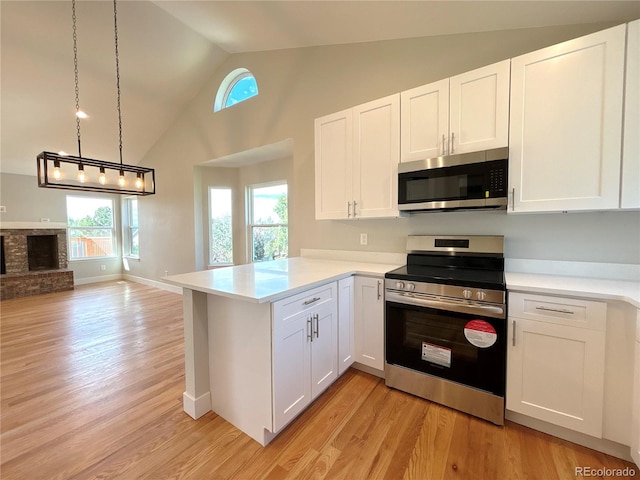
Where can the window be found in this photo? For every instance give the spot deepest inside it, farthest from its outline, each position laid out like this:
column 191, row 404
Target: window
column 236, row 87
column 130, row 238
column 267, row 219
column 91, row 227
column 220, row 227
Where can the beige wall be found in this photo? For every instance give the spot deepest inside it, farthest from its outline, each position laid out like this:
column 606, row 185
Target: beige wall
column 296, row 86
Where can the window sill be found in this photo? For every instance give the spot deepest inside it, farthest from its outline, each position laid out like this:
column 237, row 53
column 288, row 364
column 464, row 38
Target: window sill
column 219, row 265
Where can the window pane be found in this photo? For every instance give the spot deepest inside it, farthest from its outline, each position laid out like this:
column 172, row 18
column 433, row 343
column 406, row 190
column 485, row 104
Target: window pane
column 269, row 243
column 244, row 88
column 221, row 234
column 85, row 217
column 135, row 243
column 269, row 205
column 133, row 212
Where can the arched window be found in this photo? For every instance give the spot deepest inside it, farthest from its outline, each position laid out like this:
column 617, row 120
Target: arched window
column 235, row 88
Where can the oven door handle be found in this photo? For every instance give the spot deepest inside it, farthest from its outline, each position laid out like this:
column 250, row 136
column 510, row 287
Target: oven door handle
column 496, row 311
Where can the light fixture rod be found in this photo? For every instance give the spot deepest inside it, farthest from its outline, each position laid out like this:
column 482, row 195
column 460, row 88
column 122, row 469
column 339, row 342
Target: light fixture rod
column 115, row 31
column 75, row 71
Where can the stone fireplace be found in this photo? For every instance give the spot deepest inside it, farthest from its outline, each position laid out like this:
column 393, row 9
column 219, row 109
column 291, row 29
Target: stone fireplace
column 34, row 261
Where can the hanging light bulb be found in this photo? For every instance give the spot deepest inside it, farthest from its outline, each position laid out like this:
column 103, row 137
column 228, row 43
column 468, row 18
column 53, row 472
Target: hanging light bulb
column 139, row 181
column 56, row 170
column 102, row 178
column 81, row 175
column 121, row 180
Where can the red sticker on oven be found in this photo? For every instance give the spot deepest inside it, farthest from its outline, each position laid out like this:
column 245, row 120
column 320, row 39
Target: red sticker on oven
column 480, row 333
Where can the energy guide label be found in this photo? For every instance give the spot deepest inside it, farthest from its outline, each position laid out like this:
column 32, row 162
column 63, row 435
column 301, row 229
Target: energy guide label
column 436, row 354
column 480, row 334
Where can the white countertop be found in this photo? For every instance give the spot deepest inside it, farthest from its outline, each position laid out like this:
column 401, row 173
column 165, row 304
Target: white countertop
column 268, row 281
column 595, row 288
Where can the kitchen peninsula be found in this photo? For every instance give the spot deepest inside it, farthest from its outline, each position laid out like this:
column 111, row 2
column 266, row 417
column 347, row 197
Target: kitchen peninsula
column 261, row 340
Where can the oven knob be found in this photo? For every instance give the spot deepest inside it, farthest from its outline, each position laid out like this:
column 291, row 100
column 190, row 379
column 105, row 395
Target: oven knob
column 411, row 286
column 481, row 294
column 400, row 285
column 467, row 293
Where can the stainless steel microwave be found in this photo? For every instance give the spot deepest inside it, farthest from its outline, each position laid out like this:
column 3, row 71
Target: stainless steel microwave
column 454, row 182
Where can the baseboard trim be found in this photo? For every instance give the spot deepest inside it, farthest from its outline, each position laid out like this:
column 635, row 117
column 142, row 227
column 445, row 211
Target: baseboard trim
column 600, row 444
column 196, row 407
column 153, row 283
column 101, row 278
column 367, row 369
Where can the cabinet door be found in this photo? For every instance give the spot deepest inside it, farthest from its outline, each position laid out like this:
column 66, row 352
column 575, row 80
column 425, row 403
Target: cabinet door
column 635, row 416
column 369, row 321
column 324, row 348
column 346, row 343
column 376, row 153
column 291, row 367
column 424, row 120
column 333, row 165
column 479, row 109
column 555, row 373
column 566, row 124
column 630, row 197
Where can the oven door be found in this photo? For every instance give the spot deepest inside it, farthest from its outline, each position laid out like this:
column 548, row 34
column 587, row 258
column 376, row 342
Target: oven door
column 461, row 347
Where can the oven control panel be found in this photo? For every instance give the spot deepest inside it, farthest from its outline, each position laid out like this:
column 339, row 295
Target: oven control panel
column 453, row 291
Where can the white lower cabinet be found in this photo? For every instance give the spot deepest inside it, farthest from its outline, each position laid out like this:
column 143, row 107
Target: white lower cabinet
column 346, row 330
column 635, row 422
column 305, row 356
column 369, row 321
column 556, row 360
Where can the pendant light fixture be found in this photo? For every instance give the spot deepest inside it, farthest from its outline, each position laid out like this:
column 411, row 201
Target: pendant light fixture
column 59, row 170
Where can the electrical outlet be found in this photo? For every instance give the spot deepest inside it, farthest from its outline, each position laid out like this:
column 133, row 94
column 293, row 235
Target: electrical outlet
column 363, row 239
column 45, row 219
column 103, row 267
column 166, row 273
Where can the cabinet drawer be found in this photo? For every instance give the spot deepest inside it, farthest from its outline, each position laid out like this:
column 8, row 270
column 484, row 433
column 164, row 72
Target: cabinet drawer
column 288, row 307
column 572, row 312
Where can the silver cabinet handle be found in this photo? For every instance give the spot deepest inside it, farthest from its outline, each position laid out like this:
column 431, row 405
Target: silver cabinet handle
column 309, row 328
column 513, row 333
column 354, row 208
column 453, row 146
column 513, row 199
column 379, row 285
column 317, row 330
column 348, row 209
column 313, row 300
column 444, row 143
column 558, row 310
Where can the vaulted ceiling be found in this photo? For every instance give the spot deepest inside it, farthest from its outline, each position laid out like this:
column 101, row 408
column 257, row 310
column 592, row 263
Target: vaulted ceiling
column 170, row 49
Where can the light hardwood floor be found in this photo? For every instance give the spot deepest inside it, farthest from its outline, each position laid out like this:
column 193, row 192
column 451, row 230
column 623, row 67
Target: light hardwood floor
column 92, row 384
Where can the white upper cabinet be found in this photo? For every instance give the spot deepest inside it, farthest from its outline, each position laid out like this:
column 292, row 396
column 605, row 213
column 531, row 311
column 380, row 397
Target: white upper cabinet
column 566, row 125
column 479, row 109
column 333, row 164
column 630, row 197
column 424, row 121
column 376, row 154
column 465, row 113
column 356, row 161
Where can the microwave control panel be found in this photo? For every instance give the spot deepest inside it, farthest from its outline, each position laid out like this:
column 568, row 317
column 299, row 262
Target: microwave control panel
column 497, row 182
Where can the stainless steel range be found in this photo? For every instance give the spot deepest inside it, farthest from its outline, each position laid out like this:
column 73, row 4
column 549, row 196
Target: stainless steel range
column 446, row 323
